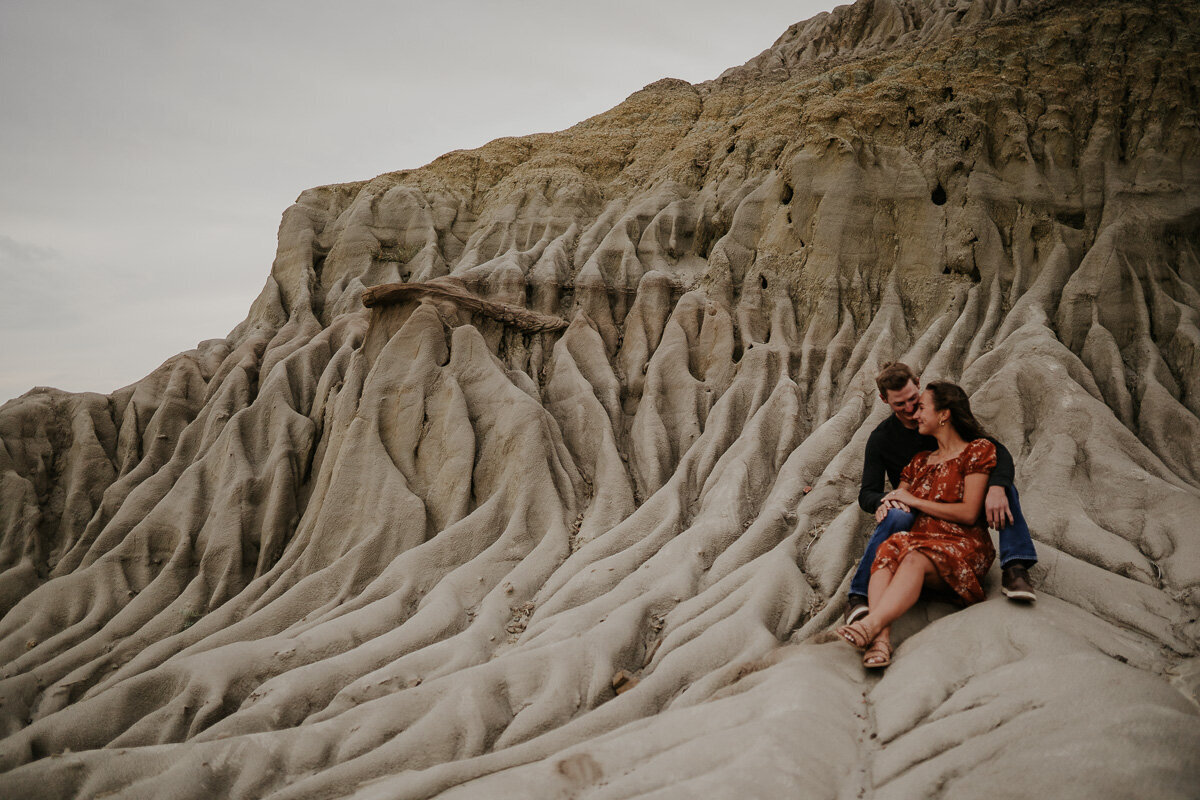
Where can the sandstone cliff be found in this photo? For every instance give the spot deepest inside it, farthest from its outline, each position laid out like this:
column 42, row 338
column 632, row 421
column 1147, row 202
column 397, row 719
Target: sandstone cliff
column 402, row 551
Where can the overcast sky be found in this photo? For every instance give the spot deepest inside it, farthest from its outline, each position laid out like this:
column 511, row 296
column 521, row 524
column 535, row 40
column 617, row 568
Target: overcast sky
column 147, row 149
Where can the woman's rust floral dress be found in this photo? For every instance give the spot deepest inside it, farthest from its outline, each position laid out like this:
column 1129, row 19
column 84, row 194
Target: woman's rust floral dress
column 962, row 554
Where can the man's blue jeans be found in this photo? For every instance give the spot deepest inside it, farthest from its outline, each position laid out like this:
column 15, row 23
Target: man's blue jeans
column 1015, row 542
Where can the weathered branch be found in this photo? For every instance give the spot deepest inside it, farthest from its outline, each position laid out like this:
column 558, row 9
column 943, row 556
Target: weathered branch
column 392, row 293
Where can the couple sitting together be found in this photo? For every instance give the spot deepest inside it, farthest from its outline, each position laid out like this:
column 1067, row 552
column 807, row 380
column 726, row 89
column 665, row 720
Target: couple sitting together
column 951, row 482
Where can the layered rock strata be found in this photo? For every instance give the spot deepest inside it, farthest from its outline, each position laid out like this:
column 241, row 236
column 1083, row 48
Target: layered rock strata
column 403, row 551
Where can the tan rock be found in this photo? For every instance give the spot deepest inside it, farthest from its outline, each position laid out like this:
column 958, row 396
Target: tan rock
column 402, row 551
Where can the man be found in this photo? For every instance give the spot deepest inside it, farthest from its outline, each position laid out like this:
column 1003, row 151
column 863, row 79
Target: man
column 890, row 447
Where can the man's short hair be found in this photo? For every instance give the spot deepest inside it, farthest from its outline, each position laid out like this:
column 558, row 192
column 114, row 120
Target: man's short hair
column 894, row 376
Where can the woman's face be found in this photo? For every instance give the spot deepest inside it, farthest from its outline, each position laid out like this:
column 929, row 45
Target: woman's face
column 928, row 418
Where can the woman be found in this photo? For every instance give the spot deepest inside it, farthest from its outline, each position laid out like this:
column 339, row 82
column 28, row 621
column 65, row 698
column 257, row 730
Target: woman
column 948, row 547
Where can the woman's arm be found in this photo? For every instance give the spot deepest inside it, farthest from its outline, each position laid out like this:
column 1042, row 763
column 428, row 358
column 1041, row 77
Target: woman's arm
column 964, row 512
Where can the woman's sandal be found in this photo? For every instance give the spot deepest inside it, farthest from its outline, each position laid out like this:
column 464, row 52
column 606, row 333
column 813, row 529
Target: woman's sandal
column 879, row 650
column 856, row 633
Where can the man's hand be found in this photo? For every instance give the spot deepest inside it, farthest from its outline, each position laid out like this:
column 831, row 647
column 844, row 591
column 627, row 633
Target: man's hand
column 887, row 505
column 995, row 508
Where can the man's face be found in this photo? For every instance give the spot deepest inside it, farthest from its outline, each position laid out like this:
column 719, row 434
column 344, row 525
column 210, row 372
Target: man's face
column 903, row 402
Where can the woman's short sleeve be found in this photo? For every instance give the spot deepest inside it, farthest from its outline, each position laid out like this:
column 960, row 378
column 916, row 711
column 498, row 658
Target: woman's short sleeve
column 910, row 469
column 981, row 457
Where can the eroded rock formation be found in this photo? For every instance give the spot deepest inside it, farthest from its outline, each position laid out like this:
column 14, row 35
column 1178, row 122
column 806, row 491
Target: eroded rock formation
column 399, row 551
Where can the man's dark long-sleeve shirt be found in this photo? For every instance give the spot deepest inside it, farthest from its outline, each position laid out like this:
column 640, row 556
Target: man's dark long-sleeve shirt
column 891, row 446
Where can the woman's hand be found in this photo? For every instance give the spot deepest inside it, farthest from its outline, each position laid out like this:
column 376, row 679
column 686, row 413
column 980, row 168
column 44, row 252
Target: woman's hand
column 901, row 496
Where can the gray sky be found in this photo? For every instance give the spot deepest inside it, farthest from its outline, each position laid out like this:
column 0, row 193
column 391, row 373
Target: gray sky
column 148, row 148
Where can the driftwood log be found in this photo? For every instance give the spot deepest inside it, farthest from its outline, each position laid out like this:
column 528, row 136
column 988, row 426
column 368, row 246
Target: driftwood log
column 531, row 321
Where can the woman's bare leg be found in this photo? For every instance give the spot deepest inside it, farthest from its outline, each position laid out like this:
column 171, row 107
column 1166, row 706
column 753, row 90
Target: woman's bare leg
column 899, row 592
column 880, row 580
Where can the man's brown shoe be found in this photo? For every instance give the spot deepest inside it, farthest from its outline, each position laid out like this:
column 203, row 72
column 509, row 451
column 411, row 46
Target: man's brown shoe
column 1015, row 584
column 856, row 609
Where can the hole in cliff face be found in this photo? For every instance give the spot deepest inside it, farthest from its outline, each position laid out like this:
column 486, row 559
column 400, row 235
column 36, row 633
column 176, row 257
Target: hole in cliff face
column 966, row 145
column 1072, row 219
column 946, row 270
column 762, row 279
column 938, row 196
column 947, row 94
column 731, row 148
column 785, row 197
column 975, row 276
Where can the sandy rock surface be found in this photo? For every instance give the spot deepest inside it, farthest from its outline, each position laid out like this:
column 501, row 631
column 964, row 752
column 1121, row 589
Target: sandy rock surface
column 402, row 551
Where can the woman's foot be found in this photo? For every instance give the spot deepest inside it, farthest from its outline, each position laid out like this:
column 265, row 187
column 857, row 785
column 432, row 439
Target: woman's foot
column 860, row 633
column 879, row 654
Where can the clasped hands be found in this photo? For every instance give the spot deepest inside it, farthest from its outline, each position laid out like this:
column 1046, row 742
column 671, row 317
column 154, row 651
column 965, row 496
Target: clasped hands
column 899, row 498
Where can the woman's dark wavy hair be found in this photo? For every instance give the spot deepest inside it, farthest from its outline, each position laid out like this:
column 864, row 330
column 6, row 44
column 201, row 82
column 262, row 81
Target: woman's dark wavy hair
column 951, row 397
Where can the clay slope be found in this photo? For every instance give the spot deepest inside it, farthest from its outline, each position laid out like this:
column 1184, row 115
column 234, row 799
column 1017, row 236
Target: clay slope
column 402, row 551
